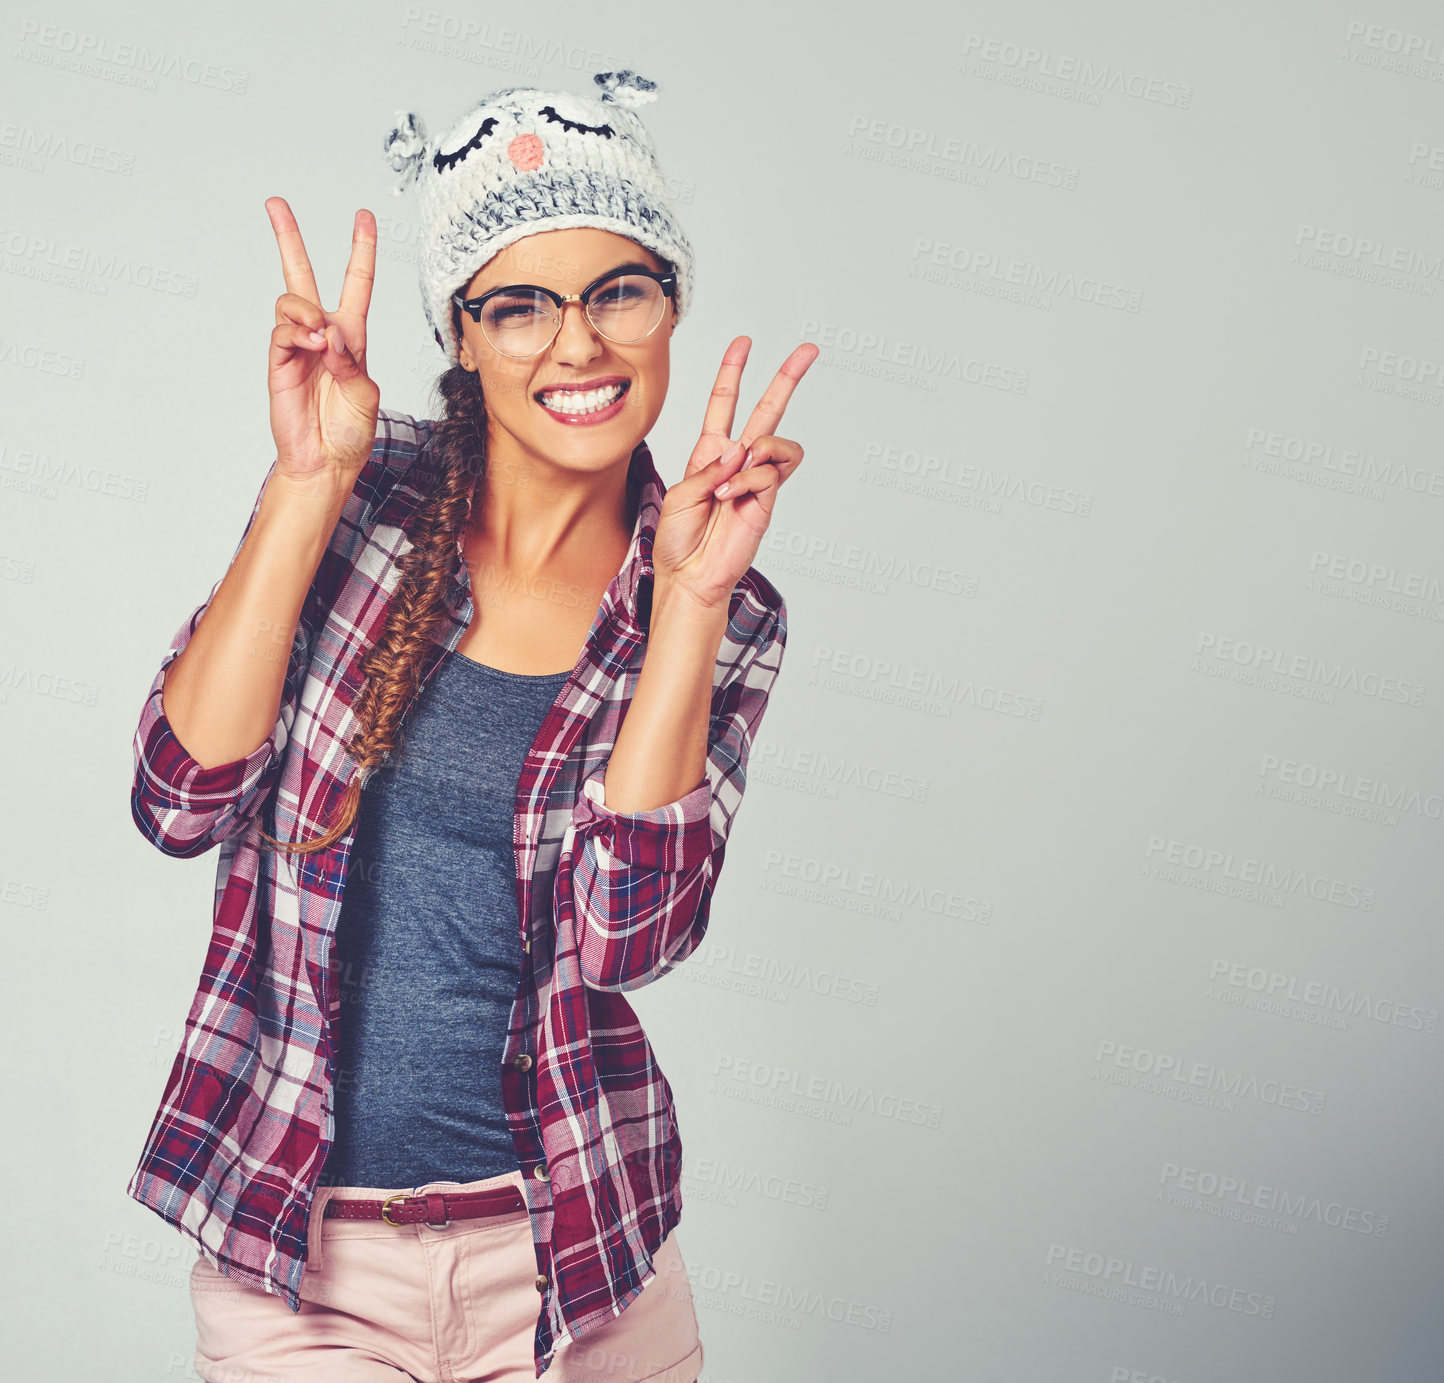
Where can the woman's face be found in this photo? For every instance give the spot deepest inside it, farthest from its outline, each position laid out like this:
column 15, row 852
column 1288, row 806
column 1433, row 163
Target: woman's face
column 567, row 261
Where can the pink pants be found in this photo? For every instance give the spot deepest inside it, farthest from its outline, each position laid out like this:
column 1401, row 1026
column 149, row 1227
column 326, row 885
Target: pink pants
column 454, row 1303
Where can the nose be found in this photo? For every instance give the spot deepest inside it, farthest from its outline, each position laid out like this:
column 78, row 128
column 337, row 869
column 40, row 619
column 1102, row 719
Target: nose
column 577, row 342
column 525, row 152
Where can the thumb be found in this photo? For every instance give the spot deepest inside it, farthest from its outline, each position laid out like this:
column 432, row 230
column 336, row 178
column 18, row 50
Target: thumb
column 338, row 358
column 706, row 480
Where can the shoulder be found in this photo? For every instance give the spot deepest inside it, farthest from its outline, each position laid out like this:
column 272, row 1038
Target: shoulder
column 394, row 472
column 400, row 437
column 758, row 612
column 400, row 441
column 386, row 490
column 750, row 655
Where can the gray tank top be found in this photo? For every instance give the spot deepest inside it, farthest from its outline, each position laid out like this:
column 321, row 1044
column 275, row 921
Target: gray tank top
column 428, row 943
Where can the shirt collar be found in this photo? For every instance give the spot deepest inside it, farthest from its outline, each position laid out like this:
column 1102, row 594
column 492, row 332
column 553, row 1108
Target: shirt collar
column 637, row 575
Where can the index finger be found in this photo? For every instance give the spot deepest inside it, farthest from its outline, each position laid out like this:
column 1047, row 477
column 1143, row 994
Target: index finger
column 773, row 403
column 722, row 402
column 361, row 267
column 295, row 264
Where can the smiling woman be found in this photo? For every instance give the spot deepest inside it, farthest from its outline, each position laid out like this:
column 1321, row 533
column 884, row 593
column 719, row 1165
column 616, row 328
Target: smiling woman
column 479, row 787
column 565, row 408
column 511, row 334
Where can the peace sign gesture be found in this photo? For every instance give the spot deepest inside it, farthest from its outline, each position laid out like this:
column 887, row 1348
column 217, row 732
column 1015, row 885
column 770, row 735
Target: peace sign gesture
column 324, row 406
column 713, row 519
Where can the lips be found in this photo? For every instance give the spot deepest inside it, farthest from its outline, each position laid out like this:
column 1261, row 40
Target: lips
column 578, row 392
column 581, row 386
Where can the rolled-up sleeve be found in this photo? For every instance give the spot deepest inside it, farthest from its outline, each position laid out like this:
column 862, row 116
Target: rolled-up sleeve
column 642, row 882
column 180, row 807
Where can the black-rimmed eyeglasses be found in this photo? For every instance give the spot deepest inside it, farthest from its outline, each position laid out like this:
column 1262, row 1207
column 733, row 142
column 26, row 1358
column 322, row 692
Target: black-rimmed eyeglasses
column 522, row 320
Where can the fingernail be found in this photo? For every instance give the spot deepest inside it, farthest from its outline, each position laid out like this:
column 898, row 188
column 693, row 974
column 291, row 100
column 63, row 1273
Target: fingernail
column 732, row 452
column 318, row 337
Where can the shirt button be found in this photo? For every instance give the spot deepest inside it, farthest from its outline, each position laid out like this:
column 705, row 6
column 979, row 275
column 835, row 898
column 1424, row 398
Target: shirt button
column 522, row 1062
column 540, row 1172
column 541, row 1282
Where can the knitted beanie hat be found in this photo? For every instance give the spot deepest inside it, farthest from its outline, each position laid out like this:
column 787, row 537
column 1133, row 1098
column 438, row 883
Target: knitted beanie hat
column 522, row 161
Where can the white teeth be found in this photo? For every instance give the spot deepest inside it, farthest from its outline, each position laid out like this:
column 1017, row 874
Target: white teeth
column 569, row 401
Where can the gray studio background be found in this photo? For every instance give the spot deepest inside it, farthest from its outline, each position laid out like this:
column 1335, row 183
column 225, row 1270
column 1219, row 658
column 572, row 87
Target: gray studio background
column 1069, row 1011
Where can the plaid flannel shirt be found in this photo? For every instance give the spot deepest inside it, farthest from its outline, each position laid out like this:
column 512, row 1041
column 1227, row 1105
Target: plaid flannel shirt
column 606, row 902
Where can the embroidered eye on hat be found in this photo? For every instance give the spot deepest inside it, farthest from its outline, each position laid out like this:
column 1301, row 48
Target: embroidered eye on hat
column 522, row 161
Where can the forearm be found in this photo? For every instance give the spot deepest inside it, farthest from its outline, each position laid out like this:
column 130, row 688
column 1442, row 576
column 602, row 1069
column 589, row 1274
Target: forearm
column 222, row 693
column 661, row 750
column 654, row 820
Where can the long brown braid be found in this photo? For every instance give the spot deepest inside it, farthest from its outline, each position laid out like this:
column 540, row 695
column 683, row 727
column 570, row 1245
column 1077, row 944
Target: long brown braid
column 454, row 461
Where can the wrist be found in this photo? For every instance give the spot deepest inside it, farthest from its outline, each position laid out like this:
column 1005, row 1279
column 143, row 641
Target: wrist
column 675, row 605
column 306, row 502
column 300, row 518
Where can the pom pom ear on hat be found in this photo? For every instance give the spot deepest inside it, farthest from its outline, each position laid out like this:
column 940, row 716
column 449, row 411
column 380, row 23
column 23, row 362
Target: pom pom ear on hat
column 626, row 88
column 405, row 149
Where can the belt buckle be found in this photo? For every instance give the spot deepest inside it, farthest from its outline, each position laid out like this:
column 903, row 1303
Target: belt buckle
column 446, row 1216
column 386, row 1206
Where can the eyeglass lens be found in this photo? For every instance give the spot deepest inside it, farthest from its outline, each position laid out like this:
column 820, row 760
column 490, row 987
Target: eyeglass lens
column 524, row 322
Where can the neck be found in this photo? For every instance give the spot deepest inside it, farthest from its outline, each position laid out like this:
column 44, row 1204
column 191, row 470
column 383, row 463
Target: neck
column 529, row 515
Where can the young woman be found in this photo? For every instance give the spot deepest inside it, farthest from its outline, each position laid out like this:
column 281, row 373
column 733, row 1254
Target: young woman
column 469, row 718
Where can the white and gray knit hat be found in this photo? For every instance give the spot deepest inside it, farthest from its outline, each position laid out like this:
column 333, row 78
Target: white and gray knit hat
column 522, row 161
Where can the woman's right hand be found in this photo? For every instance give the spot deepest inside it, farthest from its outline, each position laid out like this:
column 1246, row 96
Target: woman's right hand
column 323, row 403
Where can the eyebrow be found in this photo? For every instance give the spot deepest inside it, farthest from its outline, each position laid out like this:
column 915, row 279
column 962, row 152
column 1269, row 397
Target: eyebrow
column 615, row 269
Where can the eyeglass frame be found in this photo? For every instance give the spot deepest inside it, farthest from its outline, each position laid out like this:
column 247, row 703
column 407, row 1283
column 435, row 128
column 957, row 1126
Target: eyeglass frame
column 473, row 306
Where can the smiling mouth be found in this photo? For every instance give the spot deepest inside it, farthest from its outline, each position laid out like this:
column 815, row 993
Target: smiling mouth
column 581, row 403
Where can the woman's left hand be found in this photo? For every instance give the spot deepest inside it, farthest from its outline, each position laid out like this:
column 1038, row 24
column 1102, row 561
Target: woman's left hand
column 713, row 519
